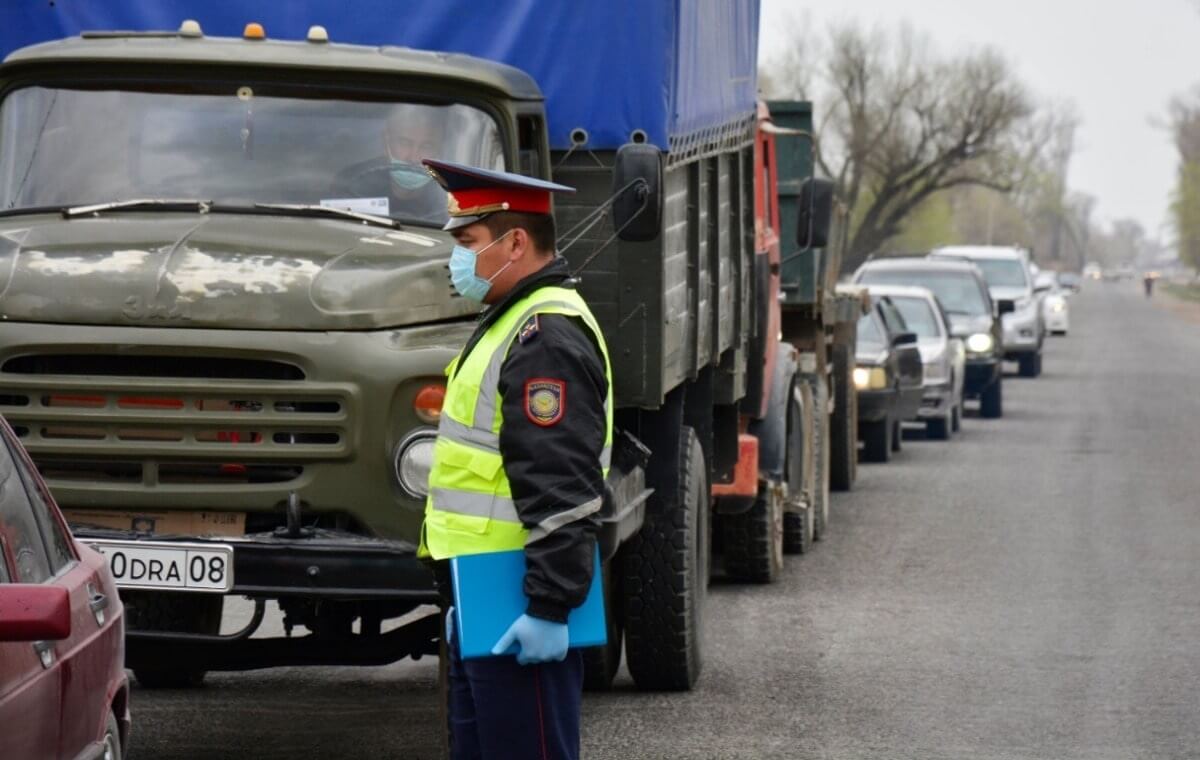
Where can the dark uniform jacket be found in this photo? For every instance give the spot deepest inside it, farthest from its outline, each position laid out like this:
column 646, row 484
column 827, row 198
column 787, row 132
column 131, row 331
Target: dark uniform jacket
column 552, row 468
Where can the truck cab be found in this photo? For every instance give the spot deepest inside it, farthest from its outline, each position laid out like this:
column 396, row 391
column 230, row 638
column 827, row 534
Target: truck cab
column 226, row 317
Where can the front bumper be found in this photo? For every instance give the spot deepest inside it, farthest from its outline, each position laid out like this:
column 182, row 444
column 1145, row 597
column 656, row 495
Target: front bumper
column 1057, row 321
column 1022, row 334
column 979, row 375
column 324, row 564
column 936, row 400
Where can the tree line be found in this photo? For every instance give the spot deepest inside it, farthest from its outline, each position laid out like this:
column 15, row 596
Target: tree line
column 930, row 150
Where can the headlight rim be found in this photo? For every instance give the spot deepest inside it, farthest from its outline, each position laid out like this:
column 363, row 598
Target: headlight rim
column 411, row 438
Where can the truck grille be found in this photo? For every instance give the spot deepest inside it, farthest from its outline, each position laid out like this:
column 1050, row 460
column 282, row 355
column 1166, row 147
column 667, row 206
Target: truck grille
column 173, row 420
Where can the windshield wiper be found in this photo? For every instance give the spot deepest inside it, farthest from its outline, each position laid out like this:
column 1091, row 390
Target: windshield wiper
column 382, row 221
column 139, row 204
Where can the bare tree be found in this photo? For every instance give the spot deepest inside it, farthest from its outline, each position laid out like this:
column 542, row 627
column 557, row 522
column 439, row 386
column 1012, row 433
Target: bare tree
column 898, row 125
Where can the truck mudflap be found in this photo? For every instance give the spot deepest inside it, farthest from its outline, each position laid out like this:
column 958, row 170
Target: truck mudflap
column 320, row 564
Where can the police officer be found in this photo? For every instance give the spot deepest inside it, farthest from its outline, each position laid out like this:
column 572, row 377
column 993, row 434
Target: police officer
column 523, row 443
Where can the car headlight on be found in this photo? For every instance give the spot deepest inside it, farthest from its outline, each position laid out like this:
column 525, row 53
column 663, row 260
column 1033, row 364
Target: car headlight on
column 414, row 460
column 980, row 343
column 1058, row 307
column 870, row 378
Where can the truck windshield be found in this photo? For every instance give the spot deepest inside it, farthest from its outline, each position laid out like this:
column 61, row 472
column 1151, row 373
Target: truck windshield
column 959, row 292
column 69, row 147
column 1003, row 273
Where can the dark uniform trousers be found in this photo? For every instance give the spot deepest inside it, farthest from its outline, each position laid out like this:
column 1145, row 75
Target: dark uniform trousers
column 522, row 712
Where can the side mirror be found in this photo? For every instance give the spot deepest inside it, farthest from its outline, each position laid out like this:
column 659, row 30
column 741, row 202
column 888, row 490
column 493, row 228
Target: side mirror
column 1005, row 306
column 903, row 339
column 34, row 612
column 638, row 187
column 816, row 213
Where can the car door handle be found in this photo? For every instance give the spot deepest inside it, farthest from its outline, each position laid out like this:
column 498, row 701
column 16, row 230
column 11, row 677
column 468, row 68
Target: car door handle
column 97, row 603
column 45, row 652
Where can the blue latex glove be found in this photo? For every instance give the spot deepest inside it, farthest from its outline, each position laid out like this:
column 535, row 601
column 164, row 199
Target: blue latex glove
column 538, row 640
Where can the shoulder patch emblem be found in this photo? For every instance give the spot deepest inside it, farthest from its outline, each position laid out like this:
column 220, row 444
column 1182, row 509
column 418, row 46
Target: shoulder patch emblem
column 529, row 330
column 545, row 400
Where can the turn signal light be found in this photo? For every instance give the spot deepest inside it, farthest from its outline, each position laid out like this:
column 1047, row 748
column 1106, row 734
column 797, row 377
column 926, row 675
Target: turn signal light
column 254, row 31
column 427, row 404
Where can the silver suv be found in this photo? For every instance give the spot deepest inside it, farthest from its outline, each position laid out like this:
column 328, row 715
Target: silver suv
column 1006, row 271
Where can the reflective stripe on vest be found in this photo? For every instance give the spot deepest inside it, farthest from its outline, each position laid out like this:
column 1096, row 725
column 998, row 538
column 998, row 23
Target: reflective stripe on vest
column 470, row 507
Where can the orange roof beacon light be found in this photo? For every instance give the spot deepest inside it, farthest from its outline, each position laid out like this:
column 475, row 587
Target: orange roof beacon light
column 254, row 31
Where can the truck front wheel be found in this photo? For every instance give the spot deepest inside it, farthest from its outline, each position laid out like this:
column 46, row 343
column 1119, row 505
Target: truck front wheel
column 172, row 611
column 666, row 578
column 600, row 663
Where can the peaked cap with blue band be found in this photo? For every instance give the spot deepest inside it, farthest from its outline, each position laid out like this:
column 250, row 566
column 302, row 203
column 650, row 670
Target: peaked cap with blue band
column 474, row 193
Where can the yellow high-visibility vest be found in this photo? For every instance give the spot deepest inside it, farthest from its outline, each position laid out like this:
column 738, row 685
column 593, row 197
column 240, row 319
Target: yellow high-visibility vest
column 470, row 508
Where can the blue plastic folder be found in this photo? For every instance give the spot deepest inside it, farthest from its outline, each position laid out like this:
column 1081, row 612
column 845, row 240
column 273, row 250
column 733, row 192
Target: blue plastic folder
column 489, row 596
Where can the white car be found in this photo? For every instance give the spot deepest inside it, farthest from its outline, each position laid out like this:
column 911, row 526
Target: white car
column 942, row 355
column 1006, row 270
column 1055, row 311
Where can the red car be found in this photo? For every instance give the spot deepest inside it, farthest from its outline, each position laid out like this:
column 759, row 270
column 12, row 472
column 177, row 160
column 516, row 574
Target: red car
column 63, row 689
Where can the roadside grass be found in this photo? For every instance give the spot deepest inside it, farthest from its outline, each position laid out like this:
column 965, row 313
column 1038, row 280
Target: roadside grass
column 1189, row 291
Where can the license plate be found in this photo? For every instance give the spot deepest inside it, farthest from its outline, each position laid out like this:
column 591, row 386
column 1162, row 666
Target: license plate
column 177, row 567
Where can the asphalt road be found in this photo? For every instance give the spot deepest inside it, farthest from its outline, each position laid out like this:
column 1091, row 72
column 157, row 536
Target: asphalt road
column 1029, row 590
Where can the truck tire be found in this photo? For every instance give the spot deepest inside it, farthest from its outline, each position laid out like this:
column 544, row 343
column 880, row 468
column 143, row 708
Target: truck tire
column 897, row 436
column 843, row 428
column 600, row 664
column 798, row 514
column 666, row 579
column 821, row 456
column 168, row 611
column 752, row 542
column 1031, row 364
column 877, row 440
column 991, row 402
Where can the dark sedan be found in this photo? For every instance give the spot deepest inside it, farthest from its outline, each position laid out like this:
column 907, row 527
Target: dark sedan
column 889, row 378
column 974, row 316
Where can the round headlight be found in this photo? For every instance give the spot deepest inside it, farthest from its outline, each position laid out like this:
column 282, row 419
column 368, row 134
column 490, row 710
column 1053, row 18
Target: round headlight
column 980, row 343
column 862, row 377
column 414, row 460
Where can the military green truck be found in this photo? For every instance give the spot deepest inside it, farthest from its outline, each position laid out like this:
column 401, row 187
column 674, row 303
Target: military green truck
column 226, row 312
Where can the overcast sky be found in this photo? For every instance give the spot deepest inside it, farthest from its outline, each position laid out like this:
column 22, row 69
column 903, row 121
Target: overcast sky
column 1119, row 62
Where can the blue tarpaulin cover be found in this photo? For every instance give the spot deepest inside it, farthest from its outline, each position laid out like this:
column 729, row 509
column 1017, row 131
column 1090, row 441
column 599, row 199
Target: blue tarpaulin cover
column 671, row 68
